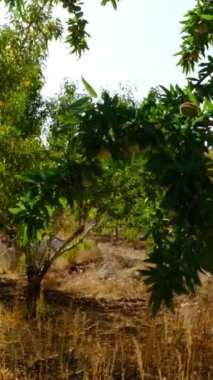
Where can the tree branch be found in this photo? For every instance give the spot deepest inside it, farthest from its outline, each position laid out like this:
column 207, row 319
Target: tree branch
column 64, row 247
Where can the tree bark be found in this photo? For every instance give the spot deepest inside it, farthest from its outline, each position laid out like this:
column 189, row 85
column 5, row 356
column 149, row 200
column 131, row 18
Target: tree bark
column 33, row 291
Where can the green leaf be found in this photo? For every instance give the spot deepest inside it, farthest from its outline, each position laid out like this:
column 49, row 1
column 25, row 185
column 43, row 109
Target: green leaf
column 192, row 98
column 17, row 210
column 208, row 105
column 63, row 202
column 89, row 88
column 25, row 178
column 14, row 210
column 25, row 236
column 113, row 2
column 39, row 234
column 207, row 17
column 78, row 104
column 50, row 210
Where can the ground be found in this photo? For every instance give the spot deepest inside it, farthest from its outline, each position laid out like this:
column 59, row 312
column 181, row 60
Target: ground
column 95, row 323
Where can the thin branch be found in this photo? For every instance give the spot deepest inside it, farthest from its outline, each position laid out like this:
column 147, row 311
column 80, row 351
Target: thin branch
column 78, row 241
column 202, row 79
column 64, row 247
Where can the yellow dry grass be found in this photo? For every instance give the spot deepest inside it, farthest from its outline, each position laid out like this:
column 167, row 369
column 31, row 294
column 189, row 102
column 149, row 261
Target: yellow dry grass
column 104, row 331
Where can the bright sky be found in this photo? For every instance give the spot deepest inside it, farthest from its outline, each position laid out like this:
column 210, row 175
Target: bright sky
column 133, row 46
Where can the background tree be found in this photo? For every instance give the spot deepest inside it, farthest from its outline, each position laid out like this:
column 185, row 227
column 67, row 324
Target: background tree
column 23, row 50
column 76, row 36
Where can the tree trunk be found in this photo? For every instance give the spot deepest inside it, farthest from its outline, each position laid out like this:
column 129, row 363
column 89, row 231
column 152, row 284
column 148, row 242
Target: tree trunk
column 33, row 291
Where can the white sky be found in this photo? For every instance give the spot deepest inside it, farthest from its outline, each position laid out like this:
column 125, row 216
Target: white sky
column 134, row 45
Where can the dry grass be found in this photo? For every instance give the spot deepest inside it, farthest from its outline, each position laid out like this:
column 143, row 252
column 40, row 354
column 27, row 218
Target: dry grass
column 5, row 374
column 93, row 344
column 110, row 335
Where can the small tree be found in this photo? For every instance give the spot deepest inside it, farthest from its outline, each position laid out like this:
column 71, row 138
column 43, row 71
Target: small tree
column 35, row 230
